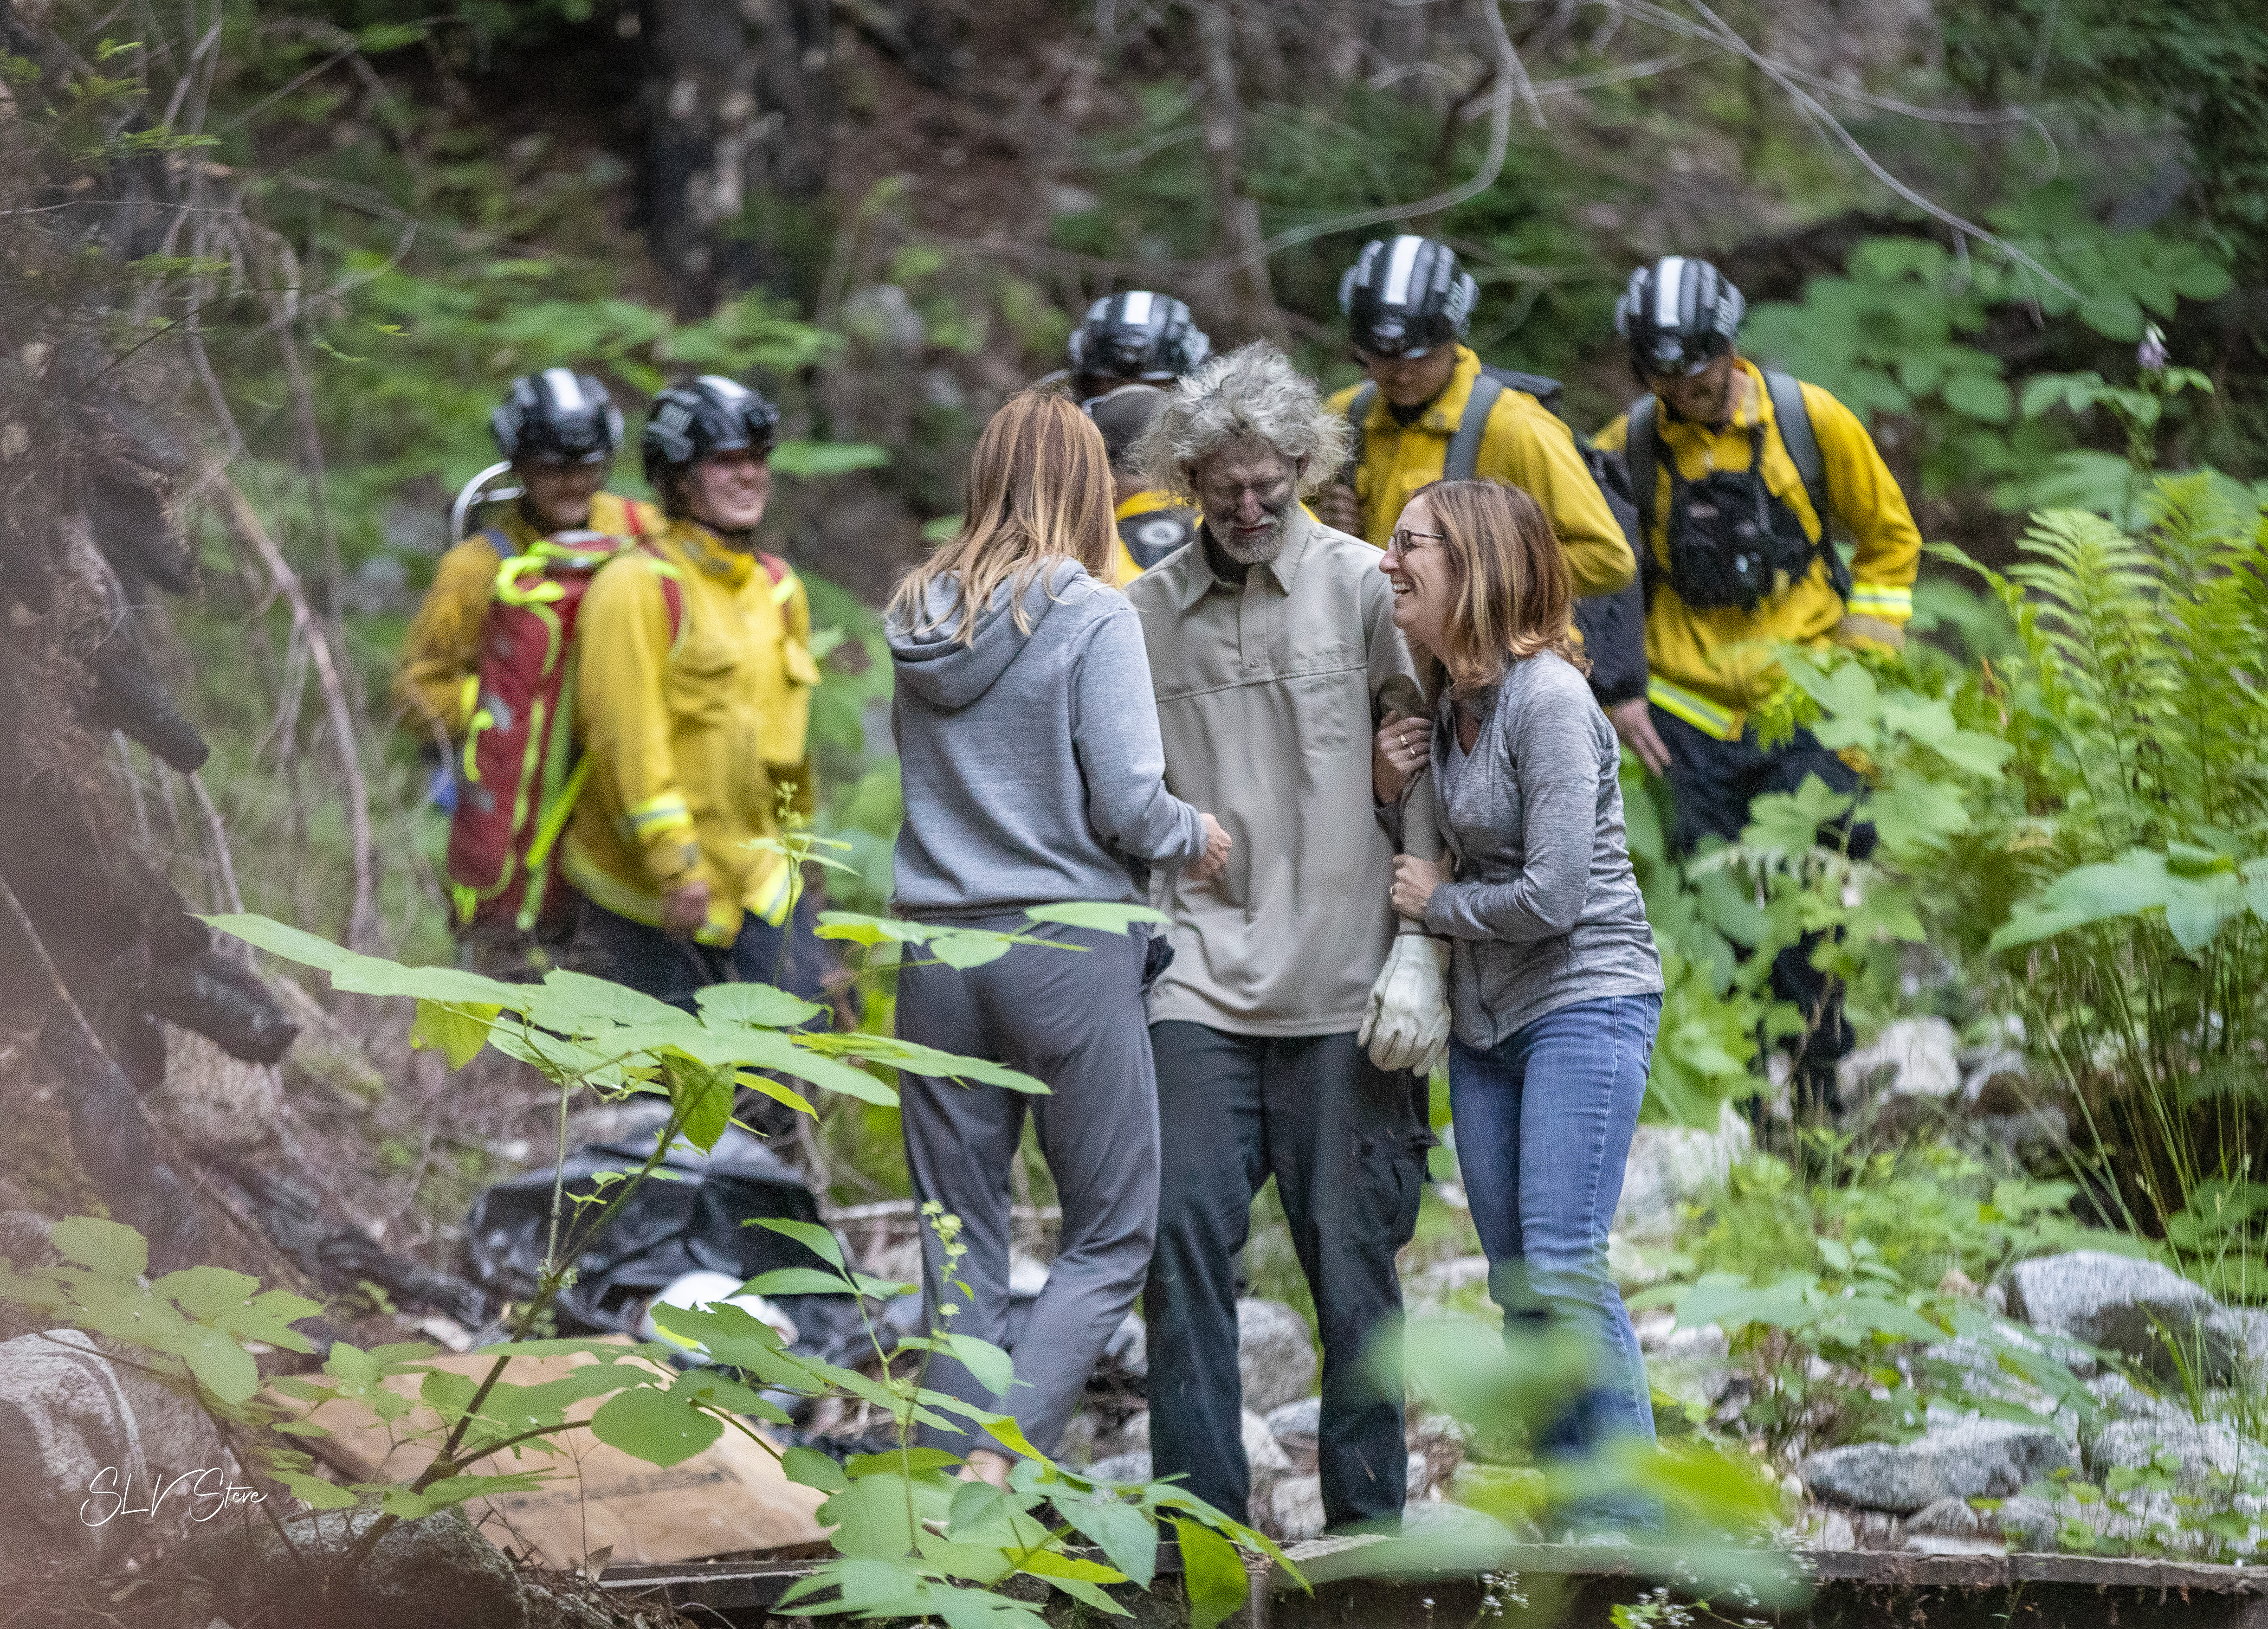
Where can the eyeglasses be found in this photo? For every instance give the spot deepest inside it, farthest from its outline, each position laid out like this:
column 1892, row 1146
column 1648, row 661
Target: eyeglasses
column 1405, row 542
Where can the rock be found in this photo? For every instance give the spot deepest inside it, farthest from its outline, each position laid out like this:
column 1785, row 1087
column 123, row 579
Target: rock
column 214, row 1101
column 1672, row 1166
column 437, row 1573
column 1975, row 1459
column 1296, row 1428
column 2122, row 1399
column 1128, row 1351
column 2023, row 1134
column 1979, row 1370
column 1437, row 1448
column 1834, row 1531
column 1296, row 1505
column 2131, row 1307
column 81, row 1439
column 1947, row 1518
column 1997, row 1079
column 1275, row 1353
column 1260, row 1449
column 1436, row 1285
column 2204, row 1450
column 1911, row 1058
column 1133, row 1467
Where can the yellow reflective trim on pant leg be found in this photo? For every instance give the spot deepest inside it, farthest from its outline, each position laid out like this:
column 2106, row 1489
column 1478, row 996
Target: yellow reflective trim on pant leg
column 1719, row 723
column 610, row 892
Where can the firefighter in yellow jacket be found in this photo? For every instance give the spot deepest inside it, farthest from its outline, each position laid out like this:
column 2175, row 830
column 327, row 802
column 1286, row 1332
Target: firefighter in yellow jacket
column 697, row 733
column 559, row 431
column 1736, row 472
column 1429, row 410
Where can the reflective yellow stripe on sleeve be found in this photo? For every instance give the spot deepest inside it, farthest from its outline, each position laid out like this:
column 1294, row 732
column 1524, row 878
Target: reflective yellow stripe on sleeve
column 784, row 590
column 656, row 815
column 772, row 900
column 1717, row 722
column 1879, row 599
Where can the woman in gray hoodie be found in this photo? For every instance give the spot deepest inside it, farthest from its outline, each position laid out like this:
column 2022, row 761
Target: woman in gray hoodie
column 1034, row 774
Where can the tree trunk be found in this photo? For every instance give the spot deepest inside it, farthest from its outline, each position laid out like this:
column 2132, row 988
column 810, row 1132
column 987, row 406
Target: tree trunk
column 741, row 113
column 1243, row 293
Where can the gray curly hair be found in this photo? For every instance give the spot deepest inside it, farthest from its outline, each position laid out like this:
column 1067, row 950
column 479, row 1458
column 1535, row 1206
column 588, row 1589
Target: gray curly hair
column 1255, row 392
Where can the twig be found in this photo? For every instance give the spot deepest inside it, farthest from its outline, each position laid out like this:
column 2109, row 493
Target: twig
column 1511, row 79
column 249, row 527
column 230, row 893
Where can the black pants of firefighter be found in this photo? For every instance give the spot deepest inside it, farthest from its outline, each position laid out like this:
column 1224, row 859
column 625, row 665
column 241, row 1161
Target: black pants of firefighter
column 1712, row 784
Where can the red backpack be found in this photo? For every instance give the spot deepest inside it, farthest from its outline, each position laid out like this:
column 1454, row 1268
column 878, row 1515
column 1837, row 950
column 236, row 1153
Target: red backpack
column 520, row 773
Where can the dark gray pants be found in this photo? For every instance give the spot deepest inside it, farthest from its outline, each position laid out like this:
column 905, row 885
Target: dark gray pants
column 1075, row 1021
column 1346, row 1145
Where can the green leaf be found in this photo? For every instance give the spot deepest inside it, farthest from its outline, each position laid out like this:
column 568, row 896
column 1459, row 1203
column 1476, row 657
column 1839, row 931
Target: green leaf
column 111, row 1248
column 370, row 975
column 1120, row 1531
column 455, row 1490
column 967, row 948
column 913, row 1462
column 819, row 1240
column 661, row 1427
column 813, row 1469
column 1213, row 1574
column 703, row 1099
column 1097, row 915
column 797, row 1281
column 758, row 1004
column 870, row 1517
column 995, row 1369
column 456, row 1030
column 314, row 1492
column 1980, row 397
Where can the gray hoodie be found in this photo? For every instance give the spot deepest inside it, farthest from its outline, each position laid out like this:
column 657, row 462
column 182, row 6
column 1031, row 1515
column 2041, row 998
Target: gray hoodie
column 1032, row 764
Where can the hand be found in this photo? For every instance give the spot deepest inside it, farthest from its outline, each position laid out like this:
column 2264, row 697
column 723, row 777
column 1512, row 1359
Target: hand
column 1414, row 882
column 1401, row 749
column 1858, row 631
column 1406, row 1024
column 1208, row 864
column 1338, row 507
column 1633, row 722
column 685, row 909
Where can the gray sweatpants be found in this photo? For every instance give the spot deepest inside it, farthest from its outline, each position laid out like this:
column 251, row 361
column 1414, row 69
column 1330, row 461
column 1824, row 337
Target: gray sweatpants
column 1074, row 1020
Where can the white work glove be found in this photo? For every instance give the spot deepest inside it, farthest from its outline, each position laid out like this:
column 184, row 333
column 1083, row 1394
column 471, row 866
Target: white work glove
column 1406, row 1025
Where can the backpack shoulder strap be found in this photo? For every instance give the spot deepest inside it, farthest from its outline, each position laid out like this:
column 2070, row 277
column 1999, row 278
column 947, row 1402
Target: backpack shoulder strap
column 1546, row 390
column 1641, row 456
column 1358, row 411
column 673, row 590
column 1801, row 442
column 1464, row 454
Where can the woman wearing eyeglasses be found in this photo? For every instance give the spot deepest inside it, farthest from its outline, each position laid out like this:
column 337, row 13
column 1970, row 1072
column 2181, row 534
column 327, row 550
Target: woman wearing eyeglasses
column 1555, row 987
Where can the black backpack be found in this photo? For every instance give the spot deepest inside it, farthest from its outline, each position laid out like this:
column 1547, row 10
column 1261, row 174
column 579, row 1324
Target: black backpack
column 1612, row 630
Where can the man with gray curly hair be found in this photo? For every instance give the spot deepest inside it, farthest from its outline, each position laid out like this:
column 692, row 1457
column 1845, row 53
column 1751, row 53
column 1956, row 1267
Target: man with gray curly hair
column 1274, row 657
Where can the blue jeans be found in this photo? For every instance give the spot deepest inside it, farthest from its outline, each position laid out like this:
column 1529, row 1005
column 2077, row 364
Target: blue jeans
column 1543, row 1168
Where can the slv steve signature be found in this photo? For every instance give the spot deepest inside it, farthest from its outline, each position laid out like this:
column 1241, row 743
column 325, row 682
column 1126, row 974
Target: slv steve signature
column 203, row 1494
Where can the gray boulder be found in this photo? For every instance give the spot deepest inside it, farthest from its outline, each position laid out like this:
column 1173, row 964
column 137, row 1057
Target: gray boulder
column 1131, row 1466
column 85, row 1446
column 1911, row 1057
column 1973, row 1459
column 1672, row 1166
column 2131, row 1307
column 437, row 1573
column 1296, row 1429
column 1295, row 1506
column 1275, row 1354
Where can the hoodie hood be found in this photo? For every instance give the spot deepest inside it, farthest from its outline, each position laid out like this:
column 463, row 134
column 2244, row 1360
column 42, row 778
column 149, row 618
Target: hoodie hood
column 944, row 672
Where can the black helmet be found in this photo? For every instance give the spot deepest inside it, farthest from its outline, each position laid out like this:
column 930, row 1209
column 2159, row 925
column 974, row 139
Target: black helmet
column 1139, row 335
column 709, row 414
column 1404, row 296
column 1679, row 315
column 1122, row 416
column 558, row 413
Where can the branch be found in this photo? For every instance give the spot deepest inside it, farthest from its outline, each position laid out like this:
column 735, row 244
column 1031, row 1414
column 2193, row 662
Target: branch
column 249, row 527
column 1511, row 78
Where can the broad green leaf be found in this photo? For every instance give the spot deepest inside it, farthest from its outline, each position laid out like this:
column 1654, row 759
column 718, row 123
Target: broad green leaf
column 107, row 1247
column 661, row 1427
column 967, row 948
column 819, row 1241
column 909, row 1462
column 575, row 1003
column 885, row 1049
column 703, row 1097
column 758, row 1004
column 797, row 1281
column 765, row 1086
column 814, row 1469
column 1981, row 397
column 1213, row 1574
column 456, row 1030
column 371, row 975
column 316, row 1493
column 1097, row 915
column 223, row 1368
column 455, row 1490
column 870, row 1517
column 1121, row 1531
column 995, row 1369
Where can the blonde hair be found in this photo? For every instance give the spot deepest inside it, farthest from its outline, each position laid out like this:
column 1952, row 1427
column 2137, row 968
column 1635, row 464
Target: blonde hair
column 1510, row 594
column 1039, row 494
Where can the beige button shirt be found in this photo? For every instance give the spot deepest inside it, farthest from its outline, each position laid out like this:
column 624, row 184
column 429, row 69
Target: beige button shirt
column 1265, row 700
